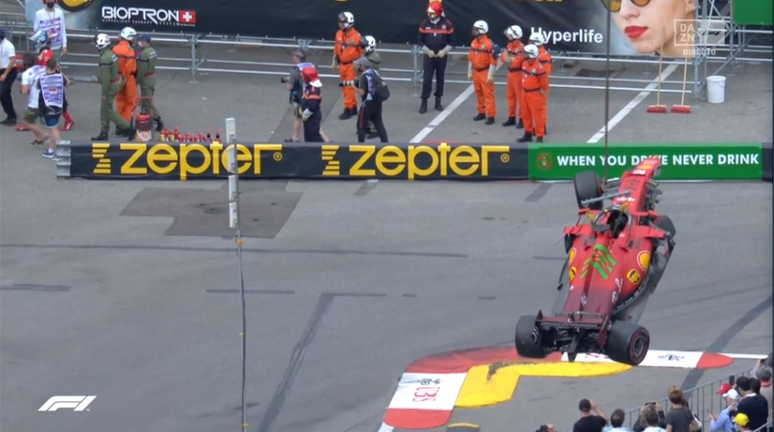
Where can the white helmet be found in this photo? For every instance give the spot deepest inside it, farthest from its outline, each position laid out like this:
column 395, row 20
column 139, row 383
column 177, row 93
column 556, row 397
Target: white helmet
column 102, row 41
column 514, row 32
column 531, row 50
column 128, row 33
column 480, row 27
column 347, row 19
column 537, row 39
column 370, row 44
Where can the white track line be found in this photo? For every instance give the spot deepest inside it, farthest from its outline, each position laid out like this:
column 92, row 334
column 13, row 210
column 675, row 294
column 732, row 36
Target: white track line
column 745, row 356
column 446, row 113
column 633, row 104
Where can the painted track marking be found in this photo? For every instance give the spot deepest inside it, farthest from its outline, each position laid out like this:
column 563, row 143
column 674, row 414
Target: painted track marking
column 446, row 112
column 632, row 105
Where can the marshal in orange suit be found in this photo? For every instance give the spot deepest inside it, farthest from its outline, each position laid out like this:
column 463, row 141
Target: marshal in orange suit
column 348, row 48
column 513, row 57
column 534, row 85
column 127, row 67
column 483, row 57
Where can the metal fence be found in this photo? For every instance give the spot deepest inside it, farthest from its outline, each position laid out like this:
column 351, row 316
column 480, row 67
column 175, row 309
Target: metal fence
column 701, row 400
column 739, row 48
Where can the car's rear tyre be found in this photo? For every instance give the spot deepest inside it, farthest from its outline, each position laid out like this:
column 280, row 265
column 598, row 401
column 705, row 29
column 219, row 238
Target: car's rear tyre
column 588, row 185
column 666, row 224
column 627, row 343
column 528, row 338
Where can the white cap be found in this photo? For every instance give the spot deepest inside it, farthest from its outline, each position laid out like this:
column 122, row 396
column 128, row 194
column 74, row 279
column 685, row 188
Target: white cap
column 316, row 83
column 731, row 394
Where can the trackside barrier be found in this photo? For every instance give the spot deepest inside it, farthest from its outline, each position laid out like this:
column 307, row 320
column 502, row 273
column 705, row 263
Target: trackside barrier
column 680, row 161
column 184, row 161
column 444, row 161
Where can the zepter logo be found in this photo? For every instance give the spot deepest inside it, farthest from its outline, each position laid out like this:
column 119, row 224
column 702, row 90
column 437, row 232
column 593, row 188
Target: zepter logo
column 75, row 5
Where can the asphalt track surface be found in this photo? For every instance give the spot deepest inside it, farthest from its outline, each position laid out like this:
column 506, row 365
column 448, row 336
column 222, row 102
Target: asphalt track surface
column 104, row 293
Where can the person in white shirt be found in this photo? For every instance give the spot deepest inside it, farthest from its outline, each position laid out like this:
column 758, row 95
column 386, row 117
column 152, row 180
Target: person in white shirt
column 8, row 75
column 51, row 20
column 30, row 89
column 650, row 415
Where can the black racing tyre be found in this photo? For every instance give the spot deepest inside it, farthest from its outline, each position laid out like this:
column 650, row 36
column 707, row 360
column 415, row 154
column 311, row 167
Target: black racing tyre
column 665, row 223
column 627, row 343
column 588, row 185
column 528, row 338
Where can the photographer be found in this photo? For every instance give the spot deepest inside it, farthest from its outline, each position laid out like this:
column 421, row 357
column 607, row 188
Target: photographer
column 296, row 86
column 547, row 428
column 371, row 107
column 369, row 47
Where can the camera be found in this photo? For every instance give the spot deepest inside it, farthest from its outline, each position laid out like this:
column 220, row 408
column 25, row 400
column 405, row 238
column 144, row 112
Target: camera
column 346, row 83
column 284, row 80
column 543, row 428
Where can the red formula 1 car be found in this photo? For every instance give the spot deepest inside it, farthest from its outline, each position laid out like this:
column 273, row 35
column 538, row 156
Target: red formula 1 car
column 613, row 266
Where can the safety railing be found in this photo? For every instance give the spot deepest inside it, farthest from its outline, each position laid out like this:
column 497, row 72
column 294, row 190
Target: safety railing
column 199, row 64
column 701, row 400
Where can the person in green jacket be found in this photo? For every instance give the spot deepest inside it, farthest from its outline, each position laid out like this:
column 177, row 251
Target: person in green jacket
column 369, row 52
column 111, row 83
column 146, row 79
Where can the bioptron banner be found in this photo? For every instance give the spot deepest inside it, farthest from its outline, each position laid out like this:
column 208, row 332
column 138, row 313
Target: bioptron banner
column 639, row 27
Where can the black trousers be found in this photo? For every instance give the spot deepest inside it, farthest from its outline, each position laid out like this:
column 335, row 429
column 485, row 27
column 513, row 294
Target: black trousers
column 5, row 93
column 433, row 66
column 312, row 128
column 370, row 112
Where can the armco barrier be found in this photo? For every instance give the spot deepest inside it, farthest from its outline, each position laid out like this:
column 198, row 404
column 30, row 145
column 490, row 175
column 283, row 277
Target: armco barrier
column 184, row 161
column 681, row 161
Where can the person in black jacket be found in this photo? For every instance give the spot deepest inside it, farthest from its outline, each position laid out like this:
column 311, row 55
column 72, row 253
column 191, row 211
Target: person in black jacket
column 436, row 37
column 755, row 406
column 310, row 107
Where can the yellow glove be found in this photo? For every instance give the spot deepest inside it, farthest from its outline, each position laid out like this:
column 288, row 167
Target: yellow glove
column 333, row 64
column 300, row 112
column 470, row 77
column 441, row 54
column 490, row 80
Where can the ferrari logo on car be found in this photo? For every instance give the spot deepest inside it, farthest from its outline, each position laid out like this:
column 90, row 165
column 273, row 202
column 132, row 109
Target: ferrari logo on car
column 572, row 254
column 643, row 259
column 633, row 276
column 572, row 273
column 600, row 260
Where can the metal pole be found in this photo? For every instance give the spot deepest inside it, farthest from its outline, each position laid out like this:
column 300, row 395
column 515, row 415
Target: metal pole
column 234, row 223
column 193, row 59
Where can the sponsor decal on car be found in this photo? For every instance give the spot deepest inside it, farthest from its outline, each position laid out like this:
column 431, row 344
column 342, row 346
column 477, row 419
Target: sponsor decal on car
column 643, row 259
column 633, row 276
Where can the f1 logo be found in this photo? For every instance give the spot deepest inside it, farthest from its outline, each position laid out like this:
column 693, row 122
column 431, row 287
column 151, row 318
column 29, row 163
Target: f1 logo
column 76, row 403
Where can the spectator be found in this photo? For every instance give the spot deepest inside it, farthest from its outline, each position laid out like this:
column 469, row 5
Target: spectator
column 679, row 418
column 616, row 422
column 764, row 375
column 589, row 422
column 724, row 421
column 767, row 362
column 753, row 406
column 742, row 423
column 642, row 423
column 8, row 74
column 653, row 416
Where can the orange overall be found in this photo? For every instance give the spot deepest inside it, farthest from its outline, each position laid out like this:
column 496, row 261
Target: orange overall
column 534, row 79
column 127, row 66
column 513, row 89
column 347, row 50
column 546, row 60
column 482, row 56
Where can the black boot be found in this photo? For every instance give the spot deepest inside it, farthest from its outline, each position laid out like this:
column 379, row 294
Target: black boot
column 423, row 107
column 545, row 129
column 101, row 137
column 520, row 125
column 526, row 138
column 489, row 121
column 540, row 139
column 159, row 125
column 479, row 117
column 438, row 106
column 511, row 121
column 346, row 114
column 131, row 133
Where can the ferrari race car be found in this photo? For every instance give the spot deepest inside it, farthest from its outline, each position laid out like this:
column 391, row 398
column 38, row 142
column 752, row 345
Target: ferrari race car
column 614, row 263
